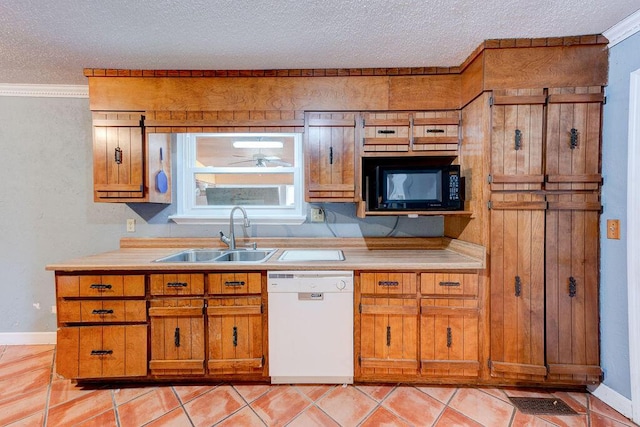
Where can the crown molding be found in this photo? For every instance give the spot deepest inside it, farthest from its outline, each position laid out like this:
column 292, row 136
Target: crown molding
column 44, row 91
column 623, row 29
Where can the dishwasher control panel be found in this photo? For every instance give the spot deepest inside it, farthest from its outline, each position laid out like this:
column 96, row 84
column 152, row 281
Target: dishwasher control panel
column 310, row 281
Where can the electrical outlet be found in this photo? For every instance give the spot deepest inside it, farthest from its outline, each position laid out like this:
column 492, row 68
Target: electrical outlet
column 53, row 309
column 131, row 225
column 317, row 215
column 613, row 229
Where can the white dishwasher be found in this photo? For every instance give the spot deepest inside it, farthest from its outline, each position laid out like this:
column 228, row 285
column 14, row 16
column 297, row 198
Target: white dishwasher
column 310, row 327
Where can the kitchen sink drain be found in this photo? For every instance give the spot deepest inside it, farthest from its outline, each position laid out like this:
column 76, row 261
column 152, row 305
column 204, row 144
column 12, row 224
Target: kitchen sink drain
column 542, row 406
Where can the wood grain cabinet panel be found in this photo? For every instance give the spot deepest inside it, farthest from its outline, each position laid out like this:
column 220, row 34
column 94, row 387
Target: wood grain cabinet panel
column 388, row 283
column 388, row 337
column 449, row 338
column 330, row 160
column 235, row 336
column 387, row 131
column 85, row 352
column 436, row 132
column 104, row 286
column 234, row 283
column 517, row 128
column 573, row 138
column 572, row 321
column 445, row 285
column 517, row 286
column 177, row 336
column 176, row 284
column 102, row 311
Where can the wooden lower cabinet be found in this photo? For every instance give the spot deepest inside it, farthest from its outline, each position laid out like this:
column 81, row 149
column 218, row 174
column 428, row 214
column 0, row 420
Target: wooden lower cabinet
column 177, row 336
column 235, row 335
column 94, row 352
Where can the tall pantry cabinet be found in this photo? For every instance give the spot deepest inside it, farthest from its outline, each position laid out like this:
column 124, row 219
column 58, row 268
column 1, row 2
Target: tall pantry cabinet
column 545, row 205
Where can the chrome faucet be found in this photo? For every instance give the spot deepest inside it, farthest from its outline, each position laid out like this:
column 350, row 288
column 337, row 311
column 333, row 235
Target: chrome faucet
column 231, row 240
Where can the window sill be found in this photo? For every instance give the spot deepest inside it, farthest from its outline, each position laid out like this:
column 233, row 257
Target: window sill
column 194, row 219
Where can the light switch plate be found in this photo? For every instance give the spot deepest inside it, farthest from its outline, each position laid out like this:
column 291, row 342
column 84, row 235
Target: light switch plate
column 131, row 225
column 613, row 229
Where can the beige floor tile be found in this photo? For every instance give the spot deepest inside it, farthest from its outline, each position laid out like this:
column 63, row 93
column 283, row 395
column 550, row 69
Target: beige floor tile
column 24, row 405
column 214, row 406
column 175, row 418
column 482, row 407
column 382, row 417
column 313, row 417
column 80, row 409
column 413, row 405
column 147, row 407
column 245, row 417
column 280, row 405
column 451, row 417
column 347, row 405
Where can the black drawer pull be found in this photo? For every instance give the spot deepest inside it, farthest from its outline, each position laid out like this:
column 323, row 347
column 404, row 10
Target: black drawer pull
column 449, row 283
column 235, row 284
column 177, row 285
column 385, row 283
column 101, row 352
column 435, row 130
column 100, row 286
column 102, row 312
column 386, row 132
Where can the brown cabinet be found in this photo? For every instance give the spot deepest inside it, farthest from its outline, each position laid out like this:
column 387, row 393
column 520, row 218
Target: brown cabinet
column 126, row 159
column 101, row 322
column 449, row 325
column 330, row 157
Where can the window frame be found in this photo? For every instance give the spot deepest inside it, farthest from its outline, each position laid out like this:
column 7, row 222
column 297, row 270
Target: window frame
column 190, row 213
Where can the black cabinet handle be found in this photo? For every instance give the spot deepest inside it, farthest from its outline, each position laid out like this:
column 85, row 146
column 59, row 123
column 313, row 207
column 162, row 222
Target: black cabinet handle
column 573, row 144
column 177, row 285
column 435, row 130
column 388, row 336
column 118, row 155
column 518, row 286
column 234, row 284
column 449, row 283
column 235, row 336
column 102, row 312
column 101, row 352
column 176, row 337
column 100, row 286
column 386, row 283
column 572, row 287
column 386, row 132
column 518, row 139
column 330, row 155
column 449, row 337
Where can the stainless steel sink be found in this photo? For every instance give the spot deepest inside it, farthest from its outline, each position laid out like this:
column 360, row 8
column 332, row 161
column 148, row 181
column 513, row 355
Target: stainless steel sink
column 215, row 255
column 250, row 255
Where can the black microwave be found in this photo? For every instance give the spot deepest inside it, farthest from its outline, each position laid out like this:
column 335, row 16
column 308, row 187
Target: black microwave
column 397, row 188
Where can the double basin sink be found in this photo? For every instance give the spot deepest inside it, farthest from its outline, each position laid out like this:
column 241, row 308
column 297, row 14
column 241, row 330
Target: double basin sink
column 251, row 255
column 217, row 256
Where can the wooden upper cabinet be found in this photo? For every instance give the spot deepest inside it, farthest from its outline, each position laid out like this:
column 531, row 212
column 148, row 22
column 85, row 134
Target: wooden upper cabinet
column 126, row 160
column 517, row 235
column 386, row 131
column 118, row 156
column 573, row 138
column 436, row 132
column 329, row 148
column 517, row 128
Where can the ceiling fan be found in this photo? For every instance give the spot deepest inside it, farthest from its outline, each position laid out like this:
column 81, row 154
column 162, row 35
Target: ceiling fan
column 262, row 160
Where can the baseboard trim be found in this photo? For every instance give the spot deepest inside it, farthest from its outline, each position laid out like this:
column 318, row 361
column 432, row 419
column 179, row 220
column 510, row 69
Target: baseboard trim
column 613, row 399
column 27, row 338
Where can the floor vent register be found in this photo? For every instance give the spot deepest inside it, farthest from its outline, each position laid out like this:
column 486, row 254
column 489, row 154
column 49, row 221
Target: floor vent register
column 542, row 406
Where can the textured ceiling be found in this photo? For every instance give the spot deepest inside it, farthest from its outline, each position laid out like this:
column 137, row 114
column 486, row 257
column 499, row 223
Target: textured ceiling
column 51, row 42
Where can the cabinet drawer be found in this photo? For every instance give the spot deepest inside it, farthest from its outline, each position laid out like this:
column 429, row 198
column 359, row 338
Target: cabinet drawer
column 436, row 131
column 235, row 283
column 176, row 284
column 462, row 285
column 388, row 283
column 102, row 351
column 102, row 311
column 100, row 286
column 386, row 131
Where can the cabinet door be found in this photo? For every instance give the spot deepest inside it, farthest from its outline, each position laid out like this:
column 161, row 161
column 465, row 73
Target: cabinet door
column 517, row 286
column 388, row 336
column 118, row 156
column 436, row 132
column 235, row 334
column 516, row 139
column 387, row 132
column 102, row 351
column 572, row 289
column 449, row 337
column 573, row 138
column 330, row 157
column 177, row 336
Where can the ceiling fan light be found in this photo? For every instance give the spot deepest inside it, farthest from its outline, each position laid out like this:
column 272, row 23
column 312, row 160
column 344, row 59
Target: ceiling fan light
column 257, row 144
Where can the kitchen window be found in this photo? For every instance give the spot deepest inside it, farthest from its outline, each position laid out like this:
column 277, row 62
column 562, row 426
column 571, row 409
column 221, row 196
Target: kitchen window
column 261, row 172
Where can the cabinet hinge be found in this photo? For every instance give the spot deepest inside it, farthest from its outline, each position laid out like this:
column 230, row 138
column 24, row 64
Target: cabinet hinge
column 491, row 101
column 489, row 205
column 489, row 179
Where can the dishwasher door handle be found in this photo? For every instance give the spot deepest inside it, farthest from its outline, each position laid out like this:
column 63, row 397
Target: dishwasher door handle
column 310, row 296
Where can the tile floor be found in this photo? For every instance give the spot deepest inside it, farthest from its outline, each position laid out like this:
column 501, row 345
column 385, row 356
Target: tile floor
column 31, row 394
